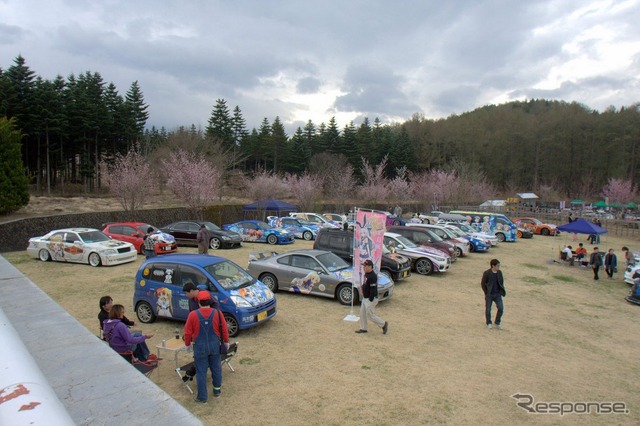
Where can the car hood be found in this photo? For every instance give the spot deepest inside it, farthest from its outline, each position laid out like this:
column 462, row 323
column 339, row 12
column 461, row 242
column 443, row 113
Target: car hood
column 164, row 237
column 421, row 251
column 111, row 244
column 256, row 294
column 225, row 233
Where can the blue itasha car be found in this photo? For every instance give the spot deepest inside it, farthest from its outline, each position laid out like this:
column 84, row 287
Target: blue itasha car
column 300, row 228
column 244, row 301
column 257, row 231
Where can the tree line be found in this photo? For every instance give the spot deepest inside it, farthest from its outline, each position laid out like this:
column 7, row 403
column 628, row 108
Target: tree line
column 71, row 126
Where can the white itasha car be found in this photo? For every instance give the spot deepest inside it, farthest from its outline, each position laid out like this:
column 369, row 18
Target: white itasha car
column 81, row 245
column 631, row 270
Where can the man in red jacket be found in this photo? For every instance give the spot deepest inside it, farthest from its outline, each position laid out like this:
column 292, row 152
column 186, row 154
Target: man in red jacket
column 207, row 328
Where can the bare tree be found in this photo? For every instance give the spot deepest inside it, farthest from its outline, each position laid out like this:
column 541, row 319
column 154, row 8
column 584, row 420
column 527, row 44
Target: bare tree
column 375, row 187
column 306, row 189
column 342, row 186
column 129, row 178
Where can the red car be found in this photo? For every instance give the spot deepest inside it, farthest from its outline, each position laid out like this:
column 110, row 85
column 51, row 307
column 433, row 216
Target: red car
column 134, row 232
column 535, row 226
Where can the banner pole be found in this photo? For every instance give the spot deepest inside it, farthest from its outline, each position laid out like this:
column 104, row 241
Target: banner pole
column 351, row 316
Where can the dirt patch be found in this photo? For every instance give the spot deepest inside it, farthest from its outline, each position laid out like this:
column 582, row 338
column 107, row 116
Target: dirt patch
column 565, row 338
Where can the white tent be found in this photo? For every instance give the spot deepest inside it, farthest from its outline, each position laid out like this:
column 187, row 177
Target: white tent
column 494, row 203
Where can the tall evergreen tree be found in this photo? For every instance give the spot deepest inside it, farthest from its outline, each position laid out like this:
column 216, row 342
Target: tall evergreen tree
column 278, row 144
column 220, row 126
column 14, row 189
column 135, row 114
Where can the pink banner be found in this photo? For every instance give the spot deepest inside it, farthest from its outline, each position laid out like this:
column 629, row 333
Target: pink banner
column 367, row 244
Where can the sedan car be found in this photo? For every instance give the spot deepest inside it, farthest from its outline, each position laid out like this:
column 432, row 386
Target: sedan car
column 424, row 260
column 316, row 219
column 186, row 231
column 134, row 233
column 315, row 272
column 81, row 245
column 476, row 244
column 300, row 228
column 257, row 231
column 536, row 226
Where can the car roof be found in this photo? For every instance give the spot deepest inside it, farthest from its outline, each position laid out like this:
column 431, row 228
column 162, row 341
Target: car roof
column 391, row 234
column 75, row 230
column 126, row 223
column 191, row 259
column 312, row 252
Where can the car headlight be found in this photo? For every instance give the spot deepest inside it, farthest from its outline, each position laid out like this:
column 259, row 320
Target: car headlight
column 110, row 251
column 224, row 237
column 240, row 302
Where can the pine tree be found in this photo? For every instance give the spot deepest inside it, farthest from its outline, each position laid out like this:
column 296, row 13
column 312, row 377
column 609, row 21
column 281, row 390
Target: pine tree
column 220, row 126
column 14, row 189
column 135, row 114
column 278, row 144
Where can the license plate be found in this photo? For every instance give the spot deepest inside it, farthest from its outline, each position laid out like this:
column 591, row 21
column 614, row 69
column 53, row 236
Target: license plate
column 262, row 315
column 405, row 273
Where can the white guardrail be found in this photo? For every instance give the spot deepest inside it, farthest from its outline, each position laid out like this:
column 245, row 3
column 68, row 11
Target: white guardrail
column 25, row 395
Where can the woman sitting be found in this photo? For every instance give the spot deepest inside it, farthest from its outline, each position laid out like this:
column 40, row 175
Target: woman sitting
column 120, row 338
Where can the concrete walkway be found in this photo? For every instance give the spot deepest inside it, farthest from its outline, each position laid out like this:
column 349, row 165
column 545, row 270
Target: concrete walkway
column 95, row 384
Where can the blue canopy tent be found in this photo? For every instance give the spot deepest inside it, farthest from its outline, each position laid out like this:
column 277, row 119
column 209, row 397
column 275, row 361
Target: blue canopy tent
column 276, row 207
column 582, row 226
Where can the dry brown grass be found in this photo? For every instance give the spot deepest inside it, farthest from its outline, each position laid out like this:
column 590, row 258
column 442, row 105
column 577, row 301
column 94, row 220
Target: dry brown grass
column 565, row 338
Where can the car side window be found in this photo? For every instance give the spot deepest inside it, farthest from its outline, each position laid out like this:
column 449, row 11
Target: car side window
column 421, row 237
column 128, row 230
column 180, row 226
column 189, row 273
column 305, row 262
column 339, row 242
column 193, row 227
column 160, row 272
column 284, row 260
column 116, row 229
column 71, row 238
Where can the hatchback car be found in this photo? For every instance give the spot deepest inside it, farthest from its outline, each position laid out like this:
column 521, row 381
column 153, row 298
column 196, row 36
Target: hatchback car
column 134, row 233
column 81, row 245
column 186, row 232
column 315, row 272
column 244, row 301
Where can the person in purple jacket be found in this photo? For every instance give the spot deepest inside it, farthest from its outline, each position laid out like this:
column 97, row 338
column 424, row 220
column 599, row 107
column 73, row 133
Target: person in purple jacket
column 117, row 334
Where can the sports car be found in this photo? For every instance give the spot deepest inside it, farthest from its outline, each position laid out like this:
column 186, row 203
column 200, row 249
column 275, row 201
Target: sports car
column 536, row 226
column 134, row 232
column 315, row 272
column 476, row 244
column 81, row 245
column 300, row 228
column 424, row 260
column 257, row 231
column 316, row 219
column 186, row 232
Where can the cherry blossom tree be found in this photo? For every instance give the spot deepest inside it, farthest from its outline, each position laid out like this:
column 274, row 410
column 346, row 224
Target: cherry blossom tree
column 341, row 186
column 192, row 178
column 264, row 184
column 129, row 178
column 306, row 189
column 398, row 186
column 375, row 187
column 618, row 190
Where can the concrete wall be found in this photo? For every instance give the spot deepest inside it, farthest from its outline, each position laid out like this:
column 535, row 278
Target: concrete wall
column 95, row 384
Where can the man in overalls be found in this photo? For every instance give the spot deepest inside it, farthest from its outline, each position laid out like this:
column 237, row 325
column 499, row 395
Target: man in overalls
column 207, row 328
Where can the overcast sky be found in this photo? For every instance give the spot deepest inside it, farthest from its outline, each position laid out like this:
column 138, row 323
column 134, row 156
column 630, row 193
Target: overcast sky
column 311, row 60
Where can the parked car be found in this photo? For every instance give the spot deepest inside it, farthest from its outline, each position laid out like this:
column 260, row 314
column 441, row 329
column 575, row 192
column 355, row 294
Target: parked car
column 81, row 245
column 336, row 217
column 244, row 301
column 315, row 272
column 522, row 232
column 134, row 233
column 317, row 219
column 340, row 242
column 300, row 228
column 490, row 238
column 426, row 238
column 475, row 244
column 536, row 226
column 257, row 231
column 186, row 231
column 461, row 245
column 424, row 260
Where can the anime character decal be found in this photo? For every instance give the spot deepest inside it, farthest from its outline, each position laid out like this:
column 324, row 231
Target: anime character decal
column 164, row 307
column 368, row 239
column 305, row 285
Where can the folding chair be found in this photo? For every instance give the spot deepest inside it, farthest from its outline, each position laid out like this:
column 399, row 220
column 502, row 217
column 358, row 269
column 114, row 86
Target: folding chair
column 145, row 367
column 187, row 371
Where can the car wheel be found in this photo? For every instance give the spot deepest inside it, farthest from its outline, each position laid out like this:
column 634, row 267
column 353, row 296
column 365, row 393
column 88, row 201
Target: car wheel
column 270, row 281
column 307, row 235
column 272, row 239
column 424, row 266
column 214, row 243
column 458, row 252
column 396, row 222
column 387, row 273
column 145, row 313
column 545, row 231
column 345, row 294
column 500, row 237
column 94, row 259
column 141, row 249
column 519, row 234
column 44, row 255
column 232, row 325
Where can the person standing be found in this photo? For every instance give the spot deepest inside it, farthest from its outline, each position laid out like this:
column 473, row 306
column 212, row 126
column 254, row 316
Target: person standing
column 369, row 297
column 493, row 286
column 628, row 256
column 207, row 329
column 203, row 238
column 610, row 263
column 595, row 260
column 149, row 244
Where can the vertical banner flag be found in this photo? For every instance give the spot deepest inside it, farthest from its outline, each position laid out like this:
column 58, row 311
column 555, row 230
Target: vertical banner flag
column 367, row 243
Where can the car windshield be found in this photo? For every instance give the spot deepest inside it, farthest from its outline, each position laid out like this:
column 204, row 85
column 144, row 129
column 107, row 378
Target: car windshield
column 211, row 226
column 93, row 237
column 466, row 228
column 332, row 262
column 457, row 231
column 229, row 275
column 406, row 242
column 449, row 232
column 145, row 227
column 537, row 222
column 303, row 222
column 436, row 238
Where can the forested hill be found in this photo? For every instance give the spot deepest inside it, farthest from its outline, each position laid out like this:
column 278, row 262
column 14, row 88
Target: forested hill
column 525, row 144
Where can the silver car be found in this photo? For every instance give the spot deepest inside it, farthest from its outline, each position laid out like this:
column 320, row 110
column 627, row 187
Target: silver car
column 316, row 272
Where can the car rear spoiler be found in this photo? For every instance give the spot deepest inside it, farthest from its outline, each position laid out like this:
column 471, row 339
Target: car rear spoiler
column 260, row 255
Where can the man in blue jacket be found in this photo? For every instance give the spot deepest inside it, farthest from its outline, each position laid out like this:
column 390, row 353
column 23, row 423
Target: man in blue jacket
column 493, row 286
